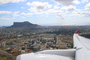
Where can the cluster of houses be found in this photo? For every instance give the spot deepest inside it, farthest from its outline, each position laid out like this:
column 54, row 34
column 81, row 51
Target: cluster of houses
column 34, row 44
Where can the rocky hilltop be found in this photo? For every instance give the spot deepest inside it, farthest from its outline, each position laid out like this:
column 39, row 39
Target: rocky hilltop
column 23, row 24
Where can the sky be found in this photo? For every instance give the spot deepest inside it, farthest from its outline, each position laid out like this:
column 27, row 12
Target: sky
column 45, row 12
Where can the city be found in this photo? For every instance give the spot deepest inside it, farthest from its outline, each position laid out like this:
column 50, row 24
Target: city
column 16, row 41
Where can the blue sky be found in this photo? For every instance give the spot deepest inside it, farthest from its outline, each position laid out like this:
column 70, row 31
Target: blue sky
column 45, row 12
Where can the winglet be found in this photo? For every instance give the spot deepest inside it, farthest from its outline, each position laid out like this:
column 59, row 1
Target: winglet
column 76, row 32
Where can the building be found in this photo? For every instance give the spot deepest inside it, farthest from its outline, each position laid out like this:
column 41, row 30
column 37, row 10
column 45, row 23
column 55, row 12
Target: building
column 3, row 44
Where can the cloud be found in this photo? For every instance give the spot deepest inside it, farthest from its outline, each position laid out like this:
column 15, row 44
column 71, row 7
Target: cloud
column 23, row 13
column 58, row 13
column 26, row 14
column 56, row 7
column 4, row 18
column 38, row 6
column 44, row 8
column 10, row 1
column 68, row 8
column 22, row 17
column 28, row 3
column 22, row 7
column 87, row 6
column 83, row 13
column 61, row 15
column 73, row 15
column 83, row 1
column 52, row 11
column 5, row 12
column 66, row 2
column 16, row 14
column 42, row 12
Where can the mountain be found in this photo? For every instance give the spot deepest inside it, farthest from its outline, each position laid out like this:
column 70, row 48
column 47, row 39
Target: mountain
column 23, row 28
column 23, row 24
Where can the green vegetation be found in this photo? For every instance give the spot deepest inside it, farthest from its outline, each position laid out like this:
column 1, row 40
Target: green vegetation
column 71, row 45
column 5, row 57
column 62, row 47
column 6, row 47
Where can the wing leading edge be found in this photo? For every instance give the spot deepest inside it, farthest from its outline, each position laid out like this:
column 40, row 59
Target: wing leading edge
column 80, row 41
column 82, row 46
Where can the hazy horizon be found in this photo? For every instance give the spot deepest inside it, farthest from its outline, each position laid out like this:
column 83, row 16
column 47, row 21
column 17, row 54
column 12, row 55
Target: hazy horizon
column 47, row 25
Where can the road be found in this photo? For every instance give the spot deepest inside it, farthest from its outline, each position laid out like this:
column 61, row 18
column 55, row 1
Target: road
column 6, row 53
column 58, row 40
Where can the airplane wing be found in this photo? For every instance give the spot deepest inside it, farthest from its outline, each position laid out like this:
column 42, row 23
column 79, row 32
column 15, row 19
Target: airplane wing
column 82, row 46
column 81, row 41
column 59, row 54
column 81, row 51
